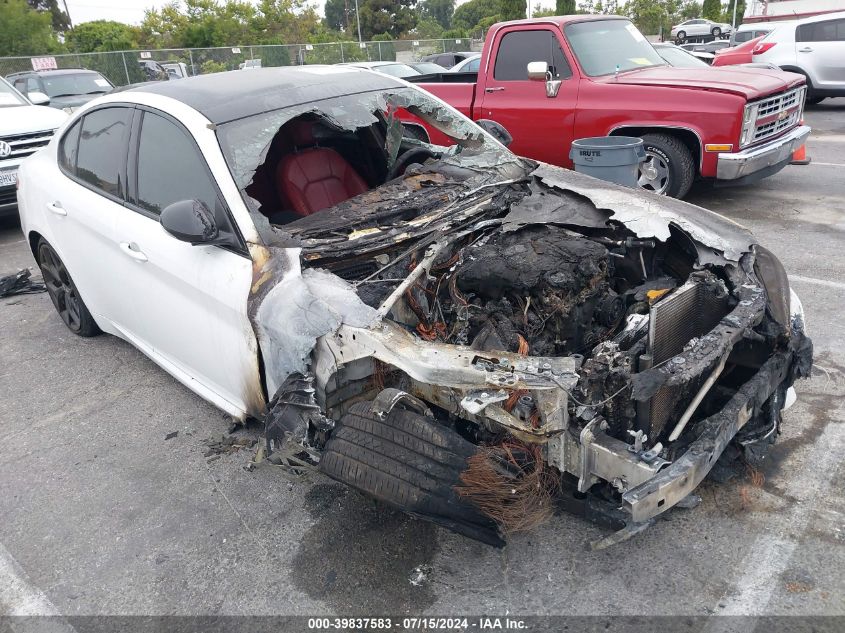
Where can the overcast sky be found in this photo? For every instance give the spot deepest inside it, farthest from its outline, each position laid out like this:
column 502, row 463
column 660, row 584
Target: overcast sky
column 132, row 11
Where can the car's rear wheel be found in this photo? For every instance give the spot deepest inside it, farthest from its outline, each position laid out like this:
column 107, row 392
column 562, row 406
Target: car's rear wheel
column 63, row 292
column 682, row 35
column 669, row 168
column 716, row 32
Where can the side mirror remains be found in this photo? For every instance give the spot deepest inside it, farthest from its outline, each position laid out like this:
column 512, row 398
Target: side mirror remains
column 190, row 221
column 496, row 130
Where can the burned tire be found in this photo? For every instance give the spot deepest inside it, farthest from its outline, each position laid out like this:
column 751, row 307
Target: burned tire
column 669, row 168
column 63, row 292
column 409, row 462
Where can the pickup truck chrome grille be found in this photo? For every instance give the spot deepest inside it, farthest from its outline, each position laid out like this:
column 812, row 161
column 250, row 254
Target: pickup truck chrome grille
column 777, row 114
column 765, row 130
column 25, row 144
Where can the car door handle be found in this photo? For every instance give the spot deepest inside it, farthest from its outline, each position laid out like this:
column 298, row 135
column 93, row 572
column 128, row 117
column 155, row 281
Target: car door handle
column 131, row 249
column 496, row 89
column 806, row 49
column 56, row 207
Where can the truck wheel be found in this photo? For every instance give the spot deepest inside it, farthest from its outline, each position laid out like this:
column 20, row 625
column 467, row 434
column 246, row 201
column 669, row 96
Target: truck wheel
column 716, row 32
column 63, row 292
column 409, row 462
column 669, row 168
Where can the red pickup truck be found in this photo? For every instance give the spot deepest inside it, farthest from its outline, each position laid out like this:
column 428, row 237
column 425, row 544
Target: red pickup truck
column 602, row 77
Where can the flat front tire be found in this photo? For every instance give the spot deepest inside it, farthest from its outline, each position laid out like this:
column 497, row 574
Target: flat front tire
column 669, row 168
column 63, row 292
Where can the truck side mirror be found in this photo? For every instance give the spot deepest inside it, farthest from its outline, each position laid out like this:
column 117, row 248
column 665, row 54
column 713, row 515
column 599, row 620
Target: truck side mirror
column 539, row 71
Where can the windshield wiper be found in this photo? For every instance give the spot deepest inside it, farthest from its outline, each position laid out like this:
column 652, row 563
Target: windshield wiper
column 70, row 94
column 96, row 92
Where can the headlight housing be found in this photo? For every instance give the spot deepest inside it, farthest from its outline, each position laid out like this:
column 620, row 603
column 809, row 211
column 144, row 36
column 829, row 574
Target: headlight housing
column 749, row 122
column 772, row 275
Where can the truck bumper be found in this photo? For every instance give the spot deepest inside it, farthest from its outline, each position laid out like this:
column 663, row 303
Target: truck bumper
column 758, row 162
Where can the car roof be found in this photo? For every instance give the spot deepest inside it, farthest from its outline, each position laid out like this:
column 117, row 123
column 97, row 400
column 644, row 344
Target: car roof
column 371, row 64
column 60, row 71
column 227, row 96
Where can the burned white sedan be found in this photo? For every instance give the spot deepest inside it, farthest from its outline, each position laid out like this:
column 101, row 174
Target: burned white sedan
column 469, row 336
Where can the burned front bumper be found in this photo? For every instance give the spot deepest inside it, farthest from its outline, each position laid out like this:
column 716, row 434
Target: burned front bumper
column 758, row 162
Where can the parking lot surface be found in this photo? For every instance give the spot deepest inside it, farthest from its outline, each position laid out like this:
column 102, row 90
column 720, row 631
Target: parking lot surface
column 102, row 514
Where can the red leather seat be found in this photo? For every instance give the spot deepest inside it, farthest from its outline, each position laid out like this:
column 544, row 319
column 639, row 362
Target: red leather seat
column 315, row 178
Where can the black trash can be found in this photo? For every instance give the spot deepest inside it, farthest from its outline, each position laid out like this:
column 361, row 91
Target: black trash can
column 612, row 158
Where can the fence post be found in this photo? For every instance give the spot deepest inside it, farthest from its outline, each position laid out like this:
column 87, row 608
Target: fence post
column 191, row 57
column 125, row 68
column 342, row 60
column 379, row 52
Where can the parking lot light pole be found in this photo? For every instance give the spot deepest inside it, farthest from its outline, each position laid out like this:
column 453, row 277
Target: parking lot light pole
column 733, row 19
column 358, row 19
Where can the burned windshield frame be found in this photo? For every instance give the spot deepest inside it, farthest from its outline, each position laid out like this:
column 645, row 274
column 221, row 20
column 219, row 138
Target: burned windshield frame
column 245, row 142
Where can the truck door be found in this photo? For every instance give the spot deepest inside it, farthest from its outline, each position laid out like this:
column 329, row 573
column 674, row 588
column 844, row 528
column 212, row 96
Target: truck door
column 542, row 127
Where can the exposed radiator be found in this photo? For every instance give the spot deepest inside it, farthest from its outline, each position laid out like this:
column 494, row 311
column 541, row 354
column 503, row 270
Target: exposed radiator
column 690, row 311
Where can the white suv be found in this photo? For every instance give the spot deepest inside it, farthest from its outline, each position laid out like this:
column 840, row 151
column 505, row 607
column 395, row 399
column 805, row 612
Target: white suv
column 813, row 47
column 24, row 128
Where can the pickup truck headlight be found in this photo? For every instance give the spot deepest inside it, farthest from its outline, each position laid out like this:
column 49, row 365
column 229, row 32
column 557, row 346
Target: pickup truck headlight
column 749, row 121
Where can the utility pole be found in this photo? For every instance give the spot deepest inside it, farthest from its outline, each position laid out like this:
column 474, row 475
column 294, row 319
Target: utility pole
column 67, row 13
column 358, row 18
column 733, row 22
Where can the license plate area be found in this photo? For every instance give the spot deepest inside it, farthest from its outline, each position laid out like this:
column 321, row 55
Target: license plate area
column 8, row 178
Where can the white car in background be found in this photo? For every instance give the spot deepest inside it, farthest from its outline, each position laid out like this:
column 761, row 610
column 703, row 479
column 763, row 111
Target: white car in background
column 24, row 128
column 813, row 47
column 469, row 65
column 700, row 28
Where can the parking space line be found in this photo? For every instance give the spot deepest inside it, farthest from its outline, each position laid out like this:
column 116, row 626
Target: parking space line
column 819, row 282
column 815, row 162
column 771, row 554
column 19, row 598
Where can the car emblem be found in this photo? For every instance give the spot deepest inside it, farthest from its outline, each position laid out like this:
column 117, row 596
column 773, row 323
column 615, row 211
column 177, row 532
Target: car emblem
column 783, row 115
column 5, row 149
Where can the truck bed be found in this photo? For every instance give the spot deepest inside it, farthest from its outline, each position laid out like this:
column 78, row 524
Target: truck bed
column 456, row 89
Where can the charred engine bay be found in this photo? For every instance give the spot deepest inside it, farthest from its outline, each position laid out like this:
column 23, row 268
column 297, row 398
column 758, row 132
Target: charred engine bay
column 500, row 282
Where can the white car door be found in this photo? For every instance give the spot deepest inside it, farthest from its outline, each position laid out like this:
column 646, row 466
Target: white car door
column 820, row 48
column 189, row 303
column 83, row 200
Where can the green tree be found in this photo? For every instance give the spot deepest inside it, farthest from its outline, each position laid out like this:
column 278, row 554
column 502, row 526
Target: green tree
column 340, row 15
column 512, row 9
column 395, row 17
column 711, row 9
column 101, row 35
column 468, row 15
column 565, row 7
column 438, row 10
column 428, row 29
column 690, row 10
column 25, row 31
column 539, row 11
column 728, row 15
column 60, row 19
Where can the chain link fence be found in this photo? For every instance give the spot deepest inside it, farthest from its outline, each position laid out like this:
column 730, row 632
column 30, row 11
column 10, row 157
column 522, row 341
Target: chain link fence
column 128, row 67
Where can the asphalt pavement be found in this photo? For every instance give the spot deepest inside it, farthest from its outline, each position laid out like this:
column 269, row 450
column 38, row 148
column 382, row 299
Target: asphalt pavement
column 101, row 513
